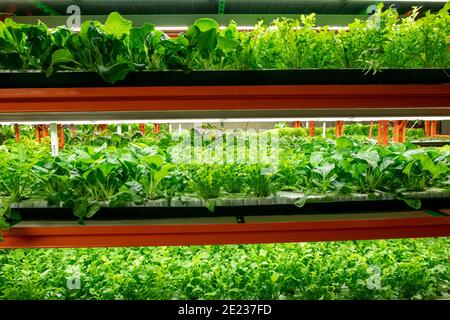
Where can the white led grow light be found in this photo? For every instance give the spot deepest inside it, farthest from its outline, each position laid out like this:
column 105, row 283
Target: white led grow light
column 232, row 120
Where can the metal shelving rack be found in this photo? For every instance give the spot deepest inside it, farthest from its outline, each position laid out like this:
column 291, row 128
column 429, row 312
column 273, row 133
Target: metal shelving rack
column 56, row 105
column 125, row 103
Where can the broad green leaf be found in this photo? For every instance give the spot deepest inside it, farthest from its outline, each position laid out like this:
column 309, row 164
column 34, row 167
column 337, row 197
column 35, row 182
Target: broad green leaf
column 90, row 31
column 80, row 208
column 324, row 169
column 138, row 35
column 114, row 73
column 344, row 142
column 371, row 157
column 59, row 57
column 413, row 203
column 206, row 24
column 207, row 40
column 117, row 26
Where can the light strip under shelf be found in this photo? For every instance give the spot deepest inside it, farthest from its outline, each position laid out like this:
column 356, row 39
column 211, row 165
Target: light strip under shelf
column 233, row 120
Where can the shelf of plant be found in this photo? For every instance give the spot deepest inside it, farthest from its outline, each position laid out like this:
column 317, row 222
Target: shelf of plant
column 193, row 207
column 228, row 230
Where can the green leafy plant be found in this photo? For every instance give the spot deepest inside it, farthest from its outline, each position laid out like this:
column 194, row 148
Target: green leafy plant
column 114, row 49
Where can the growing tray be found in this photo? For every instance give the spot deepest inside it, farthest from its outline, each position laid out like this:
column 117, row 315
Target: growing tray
column 281, row 204
column 62, row 79
column 432, row 143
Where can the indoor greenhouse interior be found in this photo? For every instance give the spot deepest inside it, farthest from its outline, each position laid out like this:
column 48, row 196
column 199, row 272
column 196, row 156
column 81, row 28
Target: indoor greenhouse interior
column 224, row 150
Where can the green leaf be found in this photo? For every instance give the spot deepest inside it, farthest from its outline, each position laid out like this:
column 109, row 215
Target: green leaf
column 209, row 204
column 89, row 30
column 344, row 142
column 206, row 24
column 92, row 209
column 371, row 157
column 114, row 73
column 7, row 47
column 138, row 36
column 59, row 57
column 62, row 56
column 3, row 224
column 413, row 203
column 80, row 208
column 117, row 26
column 301, row 201
column 207, row 40
column 227, row 41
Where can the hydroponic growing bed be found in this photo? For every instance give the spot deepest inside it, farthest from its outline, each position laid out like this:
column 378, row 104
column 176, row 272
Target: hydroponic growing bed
column 116, row 48
column 137, row 181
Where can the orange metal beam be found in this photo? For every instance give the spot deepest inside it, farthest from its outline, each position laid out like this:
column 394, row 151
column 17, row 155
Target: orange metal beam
column 339, row 128
column 431, row 128
column 215, row 234
column 44, row 130
column 142, row 128
column 312, row 128
column 17, row 132
column 38, row 133
column 297, row 124
column 383, row 132
column 224, row 98
column 61, row 136
column 400, row 131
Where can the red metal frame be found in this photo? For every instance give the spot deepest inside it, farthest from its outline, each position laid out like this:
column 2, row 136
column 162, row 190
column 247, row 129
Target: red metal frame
column 142, row 128
column 312, row 128
column 215, row 234
column 38, row 133
column 383, row 132
column 44, row 130
column 224, row 98
column 400, row 131
column 431, row 128
column 17, row 132
column 339, row 128
column 61, row 141
column 297, row 124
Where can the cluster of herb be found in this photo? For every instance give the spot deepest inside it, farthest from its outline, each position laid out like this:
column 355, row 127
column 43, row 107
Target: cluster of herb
column 116, row 48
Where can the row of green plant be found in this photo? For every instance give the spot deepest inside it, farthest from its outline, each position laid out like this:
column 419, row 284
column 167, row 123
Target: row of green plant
column 354, row 130
column 116, row 48
column 85, row 133
column 122, row 170
column 383, row 269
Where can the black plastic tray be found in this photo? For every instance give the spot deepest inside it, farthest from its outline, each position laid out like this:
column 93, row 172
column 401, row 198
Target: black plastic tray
column 131, row 213
column 232, row 77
